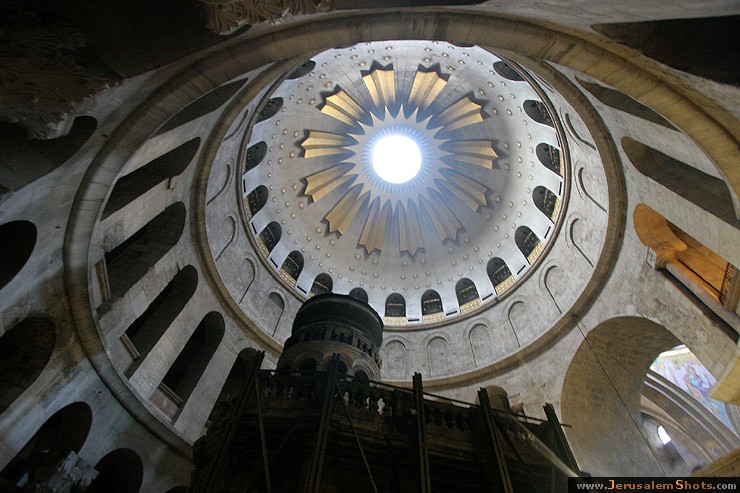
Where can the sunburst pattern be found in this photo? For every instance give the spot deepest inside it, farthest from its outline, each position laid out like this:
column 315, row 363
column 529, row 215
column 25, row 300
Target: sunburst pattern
column 435, row 122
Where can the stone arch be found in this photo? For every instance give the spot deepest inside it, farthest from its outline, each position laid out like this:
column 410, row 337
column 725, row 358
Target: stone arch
column 255, row 154
column 227, row 180
column 270, row 109
column 601, row 395
column 279, row 305
column 63, row 433
column 233, row 234
column 203, row 105
column 481, row 344
column 127, row 264
column 250, row 273
column 580, row 237
column 584, row 183
column 323, row 283
column 185, row 372
column 25, row 350
column 519, row 320
column 506, row 71
column 395, row 359
column 550, row 158
column 35, row 157
column 620, row 101
column 557, row 287
column 439, row 356
column 17, row 241
column 235, row 381
column 359, row 293
column 130, row 187
column 257, row 199
column 144, row 333
column 538, row 112
column 119, row 471
column 705, row 191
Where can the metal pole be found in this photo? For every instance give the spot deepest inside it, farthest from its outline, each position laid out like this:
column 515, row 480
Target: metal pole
column 425, row 480
column 357, row 439
column 495, row 436
column 560, row 441
column 314, row 479
column 262, row 432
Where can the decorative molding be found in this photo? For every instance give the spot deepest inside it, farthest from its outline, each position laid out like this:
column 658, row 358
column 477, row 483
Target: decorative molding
column 44, row 82
column 226, row 16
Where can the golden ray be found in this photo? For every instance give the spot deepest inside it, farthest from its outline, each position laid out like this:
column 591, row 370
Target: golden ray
column 472, row 193
column 373, row 234
column 382, row 87
column 461, row 113
column 425, row 89
column 444, row 221
column 326, row 144
column 476, row 152
column 342, row 107
column 321, row 183
column 409, row 231
column 340, row 216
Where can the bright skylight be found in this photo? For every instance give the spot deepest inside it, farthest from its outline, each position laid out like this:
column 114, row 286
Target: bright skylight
column 396, row 159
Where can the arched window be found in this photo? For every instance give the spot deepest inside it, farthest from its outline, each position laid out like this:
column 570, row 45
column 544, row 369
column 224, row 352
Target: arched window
column 395, row 306
column 24, row 352
column 467, row 295
column 277, row 309
column 620, row 101
column 185, row 372
column 257, row 199
column 499, row 274
column 304, row 69
column 127, row 264
column 64, row 432
column 203, row 105
column 270, row 109
column 707, row 192
column 359, row 293
column 546, row 201
column 507, row 71
column 255, row 155
column 538, row 112
column 292, row 267
column 135, row 184
column 270, row 236
column 120, row 471
column 144, row 333
column 322, row 284
column 17, row 240
column 431, row 307
column 549, row 156
column 528, row 243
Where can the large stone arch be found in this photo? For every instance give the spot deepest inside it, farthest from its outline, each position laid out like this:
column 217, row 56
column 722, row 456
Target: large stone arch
column 600, row 398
